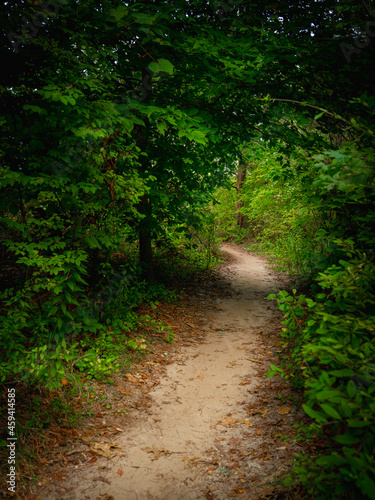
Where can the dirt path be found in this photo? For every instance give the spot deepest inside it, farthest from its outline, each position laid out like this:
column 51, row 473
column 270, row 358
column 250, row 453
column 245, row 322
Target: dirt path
column 202, row 438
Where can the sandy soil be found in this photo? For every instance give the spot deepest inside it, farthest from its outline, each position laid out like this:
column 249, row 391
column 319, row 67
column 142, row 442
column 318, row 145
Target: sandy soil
column 200, row 439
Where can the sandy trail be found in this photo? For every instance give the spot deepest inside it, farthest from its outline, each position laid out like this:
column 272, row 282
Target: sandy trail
column 168, row 451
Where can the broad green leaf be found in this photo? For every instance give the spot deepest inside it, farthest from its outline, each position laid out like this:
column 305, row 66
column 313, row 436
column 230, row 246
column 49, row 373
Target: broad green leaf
column 144, row 18
column 331, row 460
column 351, row 389
column 317, row 415
column 358, row 423
column 162, row 127
column 162, row 65
column 330, row 411
column 348, row 439
column 119, row 12
column 198, row 136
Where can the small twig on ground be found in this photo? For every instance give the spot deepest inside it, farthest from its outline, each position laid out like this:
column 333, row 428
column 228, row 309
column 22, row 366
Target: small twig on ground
column 254, row 360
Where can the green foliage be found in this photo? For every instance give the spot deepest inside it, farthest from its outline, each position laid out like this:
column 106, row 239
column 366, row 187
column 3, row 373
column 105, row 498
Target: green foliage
column 225, row 214
column 332, row 355
column 42, row 347
column 203, row 248
column 119, row 122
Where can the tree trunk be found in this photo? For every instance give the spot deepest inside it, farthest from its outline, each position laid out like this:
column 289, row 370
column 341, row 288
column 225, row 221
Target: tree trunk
column 145, row 256
column 242, row 221
column 145, row 240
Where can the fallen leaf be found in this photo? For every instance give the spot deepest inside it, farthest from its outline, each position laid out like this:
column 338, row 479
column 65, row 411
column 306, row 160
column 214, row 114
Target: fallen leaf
column 120, row 472
column 64, row 381
column 93, row 459
column 156, row 451
column 191, row 326
column 105, row 449
column 283, row 410
column 258, row 432
column 245, row 421
column 187, row 459
column 131, row 378
column 230, row 421
column 254, row 360
column 235, row 492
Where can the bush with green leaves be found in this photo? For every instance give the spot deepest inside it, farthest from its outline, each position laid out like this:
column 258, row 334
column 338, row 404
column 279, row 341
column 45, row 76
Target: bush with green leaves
column 330, row 336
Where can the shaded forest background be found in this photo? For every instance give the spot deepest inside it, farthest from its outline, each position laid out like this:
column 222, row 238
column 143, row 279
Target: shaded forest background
column 136, row 135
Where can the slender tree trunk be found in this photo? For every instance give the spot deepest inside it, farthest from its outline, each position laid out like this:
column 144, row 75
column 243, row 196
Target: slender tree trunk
column 145, row 240
column 145, row 256
column 241, row 176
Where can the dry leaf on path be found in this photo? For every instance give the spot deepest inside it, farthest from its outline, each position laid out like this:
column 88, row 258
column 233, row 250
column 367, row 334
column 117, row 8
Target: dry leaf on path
column 227, row 421
column 105, row 449
column 190, row 460
column 235, row 492
column 131, row 378
column 230, row 421
column 254, row 360
column 191, row 326
column 156, row 451
column 120, row 472
column 283, row 410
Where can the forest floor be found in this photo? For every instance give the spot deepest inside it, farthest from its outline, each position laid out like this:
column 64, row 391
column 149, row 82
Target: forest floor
column 202, row 420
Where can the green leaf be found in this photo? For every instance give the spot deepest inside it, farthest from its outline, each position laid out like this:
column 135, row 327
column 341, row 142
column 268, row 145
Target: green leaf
column 326, row 394
column 330, row 411
column 317, row 415
column 162, row 127
column 366, row 484
column 144, row 18
column 331, row 460
column 351, row 389
column 71, row 100
column 347, row 439
column 163, row 65
column 319, row 115
column 119, row 13
column 197, row 136
column 358, row 423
